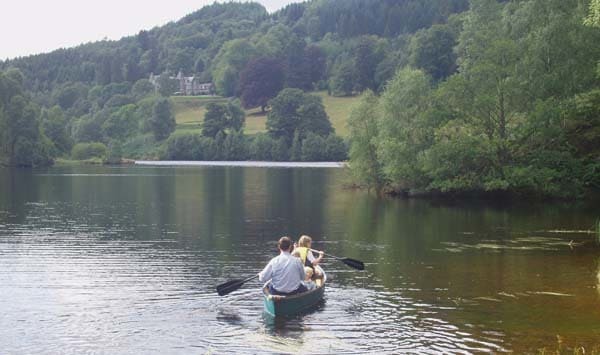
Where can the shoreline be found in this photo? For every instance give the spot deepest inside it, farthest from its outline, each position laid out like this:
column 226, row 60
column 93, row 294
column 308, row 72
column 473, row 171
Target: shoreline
column 247, row 164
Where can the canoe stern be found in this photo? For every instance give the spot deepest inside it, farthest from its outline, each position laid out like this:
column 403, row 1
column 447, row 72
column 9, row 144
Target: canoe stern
column 291, row 305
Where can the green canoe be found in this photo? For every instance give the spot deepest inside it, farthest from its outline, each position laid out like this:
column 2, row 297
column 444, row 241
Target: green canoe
column 287, row 306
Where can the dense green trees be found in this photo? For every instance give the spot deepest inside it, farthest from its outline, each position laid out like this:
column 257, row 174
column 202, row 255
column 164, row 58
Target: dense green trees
column 341, row 82
column 223, row 118
column 293, row 111
column 189, row 147
column 502, row 97
column 402, row 127
column 261, row 147
column 83, row 151
column 166, row 85
column 352, row 18
column 519, row 115
column 432, row 50
column 229, row 62
column 162, row 121
column 104, row 95
column 22, row 143
column 364, row 132
column 217, row 41
column 54, row 126
column 367, row 55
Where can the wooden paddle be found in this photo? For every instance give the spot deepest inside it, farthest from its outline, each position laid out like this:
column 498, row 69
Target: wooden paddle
column 357, row 264
column 230, row 286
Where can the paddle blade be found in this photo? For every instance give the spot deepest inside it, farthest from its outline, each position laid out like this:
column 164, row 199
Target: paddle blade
column 357, row 264
column 229, row 286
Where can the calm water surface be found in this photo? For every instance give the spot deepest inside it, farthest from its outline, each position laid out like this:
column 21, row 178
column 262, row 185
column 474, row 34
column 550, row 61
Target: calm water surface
column 125, row 260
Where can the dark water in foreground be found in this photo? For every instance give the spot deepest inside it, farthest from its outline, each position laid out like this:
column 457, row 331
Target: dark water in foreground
column 125, row 260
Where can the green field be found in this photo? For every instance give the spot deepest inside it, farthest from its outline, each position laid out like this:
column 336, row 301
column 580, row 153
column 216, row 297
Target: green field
column 190, row 110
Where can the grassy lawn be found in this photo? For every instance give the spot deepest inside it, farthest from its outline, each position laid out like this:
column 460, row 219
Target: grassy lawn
column 190, row 110
column 256, row 121
column 338, row 109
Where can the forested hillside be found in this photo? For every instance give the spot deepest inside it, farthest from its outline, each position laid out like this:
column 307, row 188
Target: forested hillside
column 100, row 92
column 195, row 44
column 457, row 95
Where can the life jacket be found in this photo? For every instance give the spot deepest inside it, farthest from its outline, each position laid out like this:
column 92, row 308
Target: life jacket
column 303, row 251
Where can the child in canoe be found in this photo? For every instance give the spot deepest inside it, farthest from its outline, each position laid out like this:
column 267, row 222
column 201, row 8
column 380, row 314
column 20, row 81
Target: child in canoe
column 303, row 251
column 308, row 282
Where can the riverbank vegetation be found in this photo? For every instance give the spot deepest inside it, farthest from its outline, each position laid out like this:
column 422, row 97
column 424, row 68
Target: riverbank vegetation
column 520, row 113
column 452, row 96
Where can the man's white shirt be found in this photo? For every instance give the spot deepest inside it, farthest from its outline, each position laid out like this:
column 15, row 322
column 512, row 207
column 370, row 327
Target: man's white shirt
column 285, row 272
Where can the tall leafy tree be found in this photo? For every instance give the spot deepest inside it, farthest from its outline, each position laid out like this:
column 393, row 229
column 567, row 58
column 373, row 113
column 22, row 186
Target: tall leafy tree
column 166, row 85
column 162, row 121
column 297, row 70
column 367, row 56
column 234, row 146
column 403, row 132
column 88, row 128
column 262, row 147
column 341, row 82
column 488, row 90
column 363, row 124
column 229, row 62
column 182, row 60
column 223, row 118
column 335, row 148
column 294, row 111
column 275, row 42
column 313, row 148
column 22, row 142
column 215, row 119
column 122, row 123
column 558, row 52
column 68, row 95
column 54, row 125
column 315, row 60
column 260, row 81
column 485, row 98
column 432, row 50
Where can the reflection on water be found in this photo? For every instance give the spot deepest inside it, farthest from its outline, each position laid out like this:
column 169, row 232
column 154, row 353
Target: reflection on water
column 284, row 327
column 101, row 259
column 598, row 277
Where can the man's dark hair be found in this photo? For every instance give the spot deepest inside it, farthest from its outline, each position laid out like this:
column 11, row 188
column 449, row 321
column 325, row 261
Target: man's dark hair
column 284, row 243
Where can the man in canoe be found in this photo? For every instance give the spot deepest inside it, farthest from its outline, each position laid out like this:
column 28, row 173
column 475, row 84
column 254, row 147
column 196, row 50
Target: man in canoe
column 285, row 271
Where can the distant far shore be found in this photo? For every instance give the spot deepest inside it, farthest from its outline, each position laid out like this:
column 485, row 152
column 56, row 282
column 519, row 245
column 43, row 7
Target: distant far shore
column 253, row 164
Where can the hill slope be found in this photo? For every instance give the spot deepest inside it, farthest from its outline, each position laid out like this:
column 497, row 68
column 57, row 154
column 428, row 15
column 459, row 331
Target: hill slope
column 189, row 113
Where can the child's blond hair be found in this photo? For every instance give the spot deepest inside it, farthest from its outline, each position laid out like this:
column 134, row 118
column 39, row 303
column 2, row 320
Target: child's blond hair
column 304, row 241
column 309, row 272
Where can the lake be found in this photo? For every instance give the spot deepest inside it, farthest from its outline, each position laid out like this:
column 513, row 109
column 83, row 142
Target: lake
column 126, row 259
